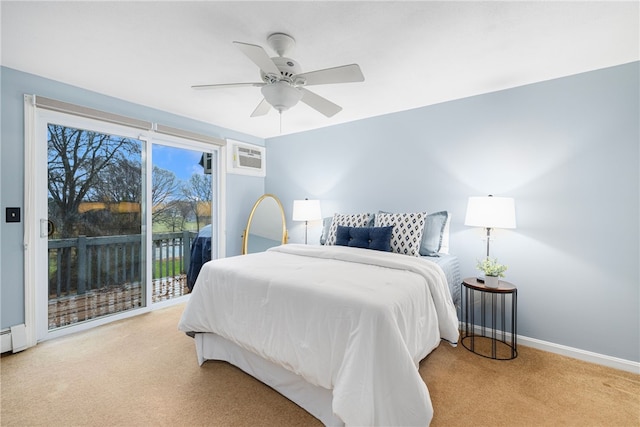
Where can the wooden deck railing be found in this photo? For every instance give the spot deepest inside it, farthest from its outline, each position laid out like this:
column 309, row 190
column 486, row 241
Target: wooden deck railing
column 94, row 276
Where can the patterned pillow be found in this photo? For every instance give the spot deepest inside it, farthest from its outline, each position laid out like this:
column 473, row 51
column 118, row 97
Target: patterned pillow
column 407, row 231
column 348, row 220
column 326, row 225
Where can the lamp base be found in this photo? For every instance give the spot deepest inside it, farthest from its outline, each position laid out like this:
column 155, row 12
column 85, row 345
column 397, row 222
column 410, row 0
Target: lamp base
column 306, row 227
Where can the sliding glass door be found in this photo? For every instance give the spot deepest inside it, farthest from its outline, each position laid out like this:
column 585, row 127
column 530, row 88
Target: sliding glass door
column 94, row 224
column 126, row 219
column 182, row 216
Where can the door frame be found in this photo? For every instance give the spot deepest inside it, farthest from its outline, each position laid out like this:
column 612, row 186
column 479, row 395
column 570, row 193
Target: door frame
column 36, row 327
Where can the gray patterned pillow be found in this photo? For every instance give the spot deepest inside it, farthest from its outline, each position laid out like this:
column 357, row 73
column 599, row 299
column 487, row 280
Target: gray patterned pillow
column 407, row 231
column 347, row 220
column 326, row 225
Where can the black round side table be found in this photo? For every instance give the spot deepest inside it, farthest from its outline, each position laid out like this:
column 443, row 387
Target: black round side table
column 489, row 337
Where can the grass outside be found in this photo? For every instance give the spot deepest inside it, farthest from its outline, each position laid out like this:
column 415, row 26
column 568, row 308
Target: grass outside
column 165, row 228
column 167, row 267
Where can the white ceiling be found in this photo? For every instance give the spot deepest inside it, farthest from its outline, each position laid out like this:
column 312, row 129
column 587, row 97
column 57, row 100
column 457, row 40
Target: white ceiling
column 412, row 54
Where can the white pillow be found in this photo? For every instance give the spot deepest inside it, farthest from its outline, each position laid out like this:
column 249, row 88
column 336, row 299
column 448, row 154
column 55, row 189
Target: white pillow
column 444, row 247
column 347, row 220
column 407, row 231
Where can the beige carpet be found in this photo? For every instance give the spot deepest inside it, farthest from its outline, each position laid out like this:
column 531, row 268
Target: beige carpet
column 143, row 372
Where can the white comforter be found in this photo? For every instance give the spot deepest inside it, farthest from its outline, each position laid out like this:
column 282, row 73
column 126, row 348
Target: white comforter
column 352, row 320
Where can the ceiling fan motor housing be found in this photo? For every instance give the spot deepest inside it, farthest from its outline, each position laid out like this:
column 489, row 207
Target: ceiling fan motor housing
column 288, row 69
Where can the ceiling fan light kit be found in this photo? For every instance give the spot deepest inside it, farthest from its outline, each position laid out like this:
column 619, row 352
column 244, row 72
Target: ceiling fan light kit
column 281, row 95
column 283, row 83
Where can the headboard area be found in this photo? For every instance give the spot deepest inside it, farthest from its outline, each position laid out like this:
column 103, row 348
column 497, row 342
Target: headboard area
column 414, row 233
column 433, row 232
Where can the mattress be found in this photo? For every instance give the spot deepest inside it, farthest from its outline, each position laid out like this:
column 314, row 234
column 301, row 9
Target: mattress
column 350, row 320
column 451, row 267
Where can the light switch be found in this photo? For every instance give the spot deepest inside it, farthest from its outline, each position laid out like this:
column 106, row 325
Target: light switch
column 13, row 215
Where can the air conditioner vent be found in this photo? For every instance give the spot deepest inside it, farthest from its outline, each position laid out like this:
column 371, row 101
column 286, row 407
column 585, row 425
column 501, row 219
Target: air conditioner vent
column 249, row 158
column 246, row 159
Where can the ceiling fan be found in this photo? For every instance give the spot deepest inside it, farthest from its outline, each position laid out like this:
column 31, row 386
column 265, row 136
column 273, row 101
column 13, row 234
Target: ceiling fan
column 283, row 83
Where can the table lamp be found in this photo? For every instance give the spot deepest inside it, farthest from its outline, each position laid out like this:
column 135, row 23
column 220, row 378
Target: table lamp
column 490, row 212
column 306, row 210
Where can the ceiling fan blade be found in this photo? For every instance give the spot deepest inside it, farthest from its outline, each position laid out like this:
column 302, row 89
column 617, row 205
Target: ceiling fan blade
column 319, row 103
column 262, row 108
column 227, row 85
column 259, row 57
column 342, row 74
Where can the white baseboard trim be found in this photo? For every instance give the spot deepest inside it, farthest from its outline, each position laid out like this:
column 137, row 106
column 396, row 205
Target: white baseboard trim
column 18, row 338
column 5, row 340
column 584, row 355
column 563, row 350
column 13, row 339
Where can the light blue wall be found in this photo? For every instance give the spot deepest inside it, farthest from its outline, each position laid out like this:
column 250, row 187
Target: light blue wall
column 566, row 150
column 242, row 191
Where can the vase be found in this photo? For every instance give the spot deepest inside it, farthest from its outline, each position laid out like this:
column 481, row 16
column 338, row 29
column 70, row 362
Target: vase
column 491, row 281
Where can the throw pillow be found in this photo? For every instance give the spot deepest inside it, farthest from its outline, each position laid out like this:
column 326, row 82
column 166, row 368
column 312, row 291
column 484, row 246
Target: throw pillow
column 349, row 220
column 407, row 231
column 376, row 238
column 326, row 225
column 433, row 235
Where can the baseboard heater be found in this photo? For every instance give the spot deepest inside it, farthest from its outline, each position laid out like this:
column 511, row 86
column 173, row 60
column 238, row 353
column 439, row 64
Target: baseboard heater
column 13, row 339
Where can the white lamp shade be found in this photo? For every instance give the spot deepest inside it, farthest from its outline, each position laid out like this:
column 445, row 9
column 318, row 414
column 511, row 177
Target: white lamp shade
column 491, row 212
column 281, row 95
column 306, row 210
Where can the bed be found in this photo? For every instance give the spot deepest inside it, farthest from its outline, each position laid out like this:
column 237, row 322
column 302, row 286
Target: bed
column 339, row 330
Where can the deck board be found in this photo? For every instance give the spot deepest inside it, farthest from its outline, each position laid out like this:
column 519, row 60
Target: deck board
column 68, row 310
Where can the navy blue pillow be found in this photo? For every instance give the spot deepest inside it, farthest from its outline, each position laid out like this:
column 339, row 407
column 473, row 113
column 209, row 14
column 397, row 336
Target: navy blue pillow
column 376, row 238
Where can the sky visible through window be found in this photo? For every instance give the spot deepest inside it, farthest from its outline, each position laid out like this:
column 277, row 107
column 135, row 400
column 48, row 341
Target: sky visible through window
column 180, row 161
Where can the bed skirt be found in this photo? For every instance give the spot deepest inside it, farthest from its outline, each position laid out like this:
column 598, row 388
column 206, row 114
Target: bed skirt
column 314, row 399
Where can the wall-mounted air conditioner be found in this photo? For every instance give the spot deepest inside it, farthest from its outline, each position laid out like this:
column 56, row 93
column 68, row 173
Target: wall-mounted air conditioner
column 246, row 159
